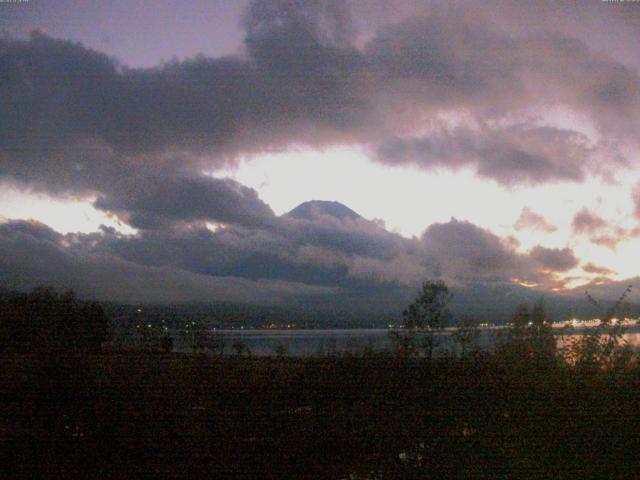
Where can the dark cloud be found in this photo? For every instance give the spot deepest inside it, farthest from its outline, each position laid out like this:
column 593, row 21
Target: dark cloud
column 74, row 120
column 31, row 229
column 154, row 202
column 292, row 83
column 451, row 88
column 287, row 261
column 31, row 254
column 599, row 231
column 598, row 270
column 609, row 241
column 319, row 251
column 554, row 259
column 465, row 251
column 533, row 221
column 289, row 255
column 327, row 20
column 519, row 154
column 591, row 21
column 587, row 222
column 454, row 59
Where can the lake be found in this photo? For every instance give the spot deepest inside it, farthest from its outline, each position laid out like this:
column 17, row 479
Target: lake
column 304, row 343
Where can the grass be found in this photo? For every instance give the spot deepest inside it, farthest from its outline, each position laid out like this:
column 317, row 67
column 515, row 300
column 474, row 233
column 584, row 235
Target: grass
column 374, row 416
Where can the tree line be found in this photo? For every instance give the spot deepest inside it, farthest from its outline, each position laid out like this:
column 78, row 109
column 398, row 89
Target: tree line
column 44, row 320
column 529, row 335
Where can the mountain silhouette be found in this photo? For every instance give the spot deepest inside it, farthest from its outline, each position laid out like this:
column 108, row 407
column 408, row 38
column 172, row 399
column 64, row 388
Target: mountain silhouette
column 315, row 208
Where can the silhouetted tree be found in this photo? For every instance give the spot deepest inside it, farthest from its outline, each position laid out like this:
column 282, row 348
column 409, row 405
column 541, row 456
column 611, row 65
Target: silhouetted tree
column 520, row 320
column 428, row 313
column 603, row 345
column 530, row 337
column 466, row 335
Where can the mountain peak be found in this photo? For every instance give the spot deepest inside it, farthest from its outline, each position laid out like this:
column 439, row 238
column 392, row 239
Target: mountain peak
column 314, row 208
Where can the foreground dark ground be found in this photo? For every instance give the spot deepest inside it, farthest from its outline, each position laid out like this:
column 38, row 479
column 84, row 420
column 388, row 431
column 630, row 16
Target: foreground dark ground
column 165, row 416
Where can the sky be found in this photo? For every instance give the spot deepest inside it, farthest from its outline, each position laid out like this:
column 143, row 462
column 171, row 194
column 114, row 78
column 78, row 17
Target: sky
column 151, row 151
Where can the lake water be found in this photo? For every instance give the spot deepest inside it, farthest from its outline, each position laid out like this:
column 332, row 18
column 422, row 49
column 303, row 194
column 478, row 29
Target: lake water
column 320, row 342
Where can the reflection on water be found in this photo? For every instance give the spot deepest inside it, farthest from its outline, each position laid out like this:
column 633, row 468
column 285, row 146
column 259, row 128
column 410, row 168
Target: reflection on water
column 327, row 342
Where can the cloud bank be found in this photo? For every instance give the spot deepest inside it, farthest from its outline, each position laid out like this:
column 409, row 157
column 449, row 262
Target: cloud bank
column 440, row 90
